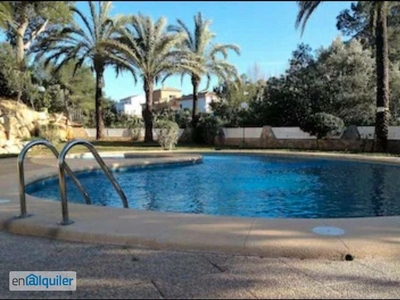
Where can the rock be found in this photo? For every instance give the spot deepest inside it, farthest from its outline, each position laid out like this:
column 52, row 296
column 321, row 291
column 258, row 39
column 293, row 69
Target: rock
column 26, row 123
column 28, row 116
column 62, row 134
column 20, row 145
column 79, row 133
column 9, row 143
column 70, row 133
column 42, row 122
column 14, row 149
column 42, row 116
column 62, row 127
column 3, row 151
column 12, row 126
column 18, row 121
column 24, row 133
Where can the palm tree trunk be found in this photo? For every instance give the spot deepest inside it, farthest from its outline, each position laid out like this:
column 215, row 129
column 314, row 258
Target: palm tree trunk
column 148, row 111
column 99, row 69
column 382, row 72
column 195, row 84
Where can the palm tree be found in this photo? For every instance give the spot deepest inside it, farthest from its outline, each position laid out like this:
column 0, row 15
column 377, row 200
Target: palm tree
column 378, row 16
column 150, row 51
column 85, row 45
column 199, row 42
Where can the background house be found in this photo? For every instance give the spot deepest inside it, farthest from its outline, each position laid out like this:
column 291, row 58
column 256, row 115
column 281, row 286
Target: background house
column 163, row 97
column 203, row 101
column 131, row 105
column 166, row 97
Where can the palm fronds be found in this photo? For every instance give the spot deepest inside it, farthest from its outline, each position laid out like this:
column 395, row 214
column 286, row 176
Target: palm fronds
column 306, row 8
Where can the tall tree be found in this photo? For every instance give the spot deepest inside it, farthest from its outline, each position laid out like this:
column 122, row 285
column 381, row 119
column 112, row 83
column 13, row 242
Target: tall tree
column 24, row 21
column 85, row 45
column 148, row 50
column 13, row 82
column 382, row 74
column 357, row 24
column 199, row 42
column 378, row 16
column 66, row 88
column 30, row 19
column 6, row 14
column 346, row 82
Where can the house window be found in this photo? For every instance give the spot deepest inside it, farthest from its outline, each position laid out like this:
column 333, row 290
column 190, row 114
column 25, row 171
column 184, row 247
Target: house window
column 180, row 106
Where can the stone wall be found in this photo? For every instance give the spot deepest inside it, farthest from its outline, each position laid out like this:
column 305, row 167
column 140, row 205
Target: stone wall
column 19, row 123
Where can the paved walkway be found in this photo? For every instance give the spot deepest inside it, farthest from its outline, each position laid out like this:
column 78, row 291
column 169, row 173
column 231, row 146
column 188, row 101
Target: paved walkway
column 274, row 238
column 129, row 271
column 123, row 272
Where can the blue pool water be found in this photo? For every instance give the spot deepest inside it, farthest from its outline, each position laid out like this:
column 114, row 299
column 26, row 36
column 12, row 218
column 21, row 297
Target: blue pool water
column 247, row 185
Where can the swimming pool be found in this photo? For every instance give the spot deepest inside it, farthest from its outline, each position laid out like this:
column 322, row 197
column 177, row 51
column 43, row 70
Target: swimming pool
column 247, row 185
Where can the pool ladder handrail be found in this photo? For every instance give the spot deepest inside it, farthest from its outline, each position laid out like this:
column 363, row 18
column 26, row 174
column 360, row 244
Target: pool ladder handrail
column 21, row 158
column 61, row 176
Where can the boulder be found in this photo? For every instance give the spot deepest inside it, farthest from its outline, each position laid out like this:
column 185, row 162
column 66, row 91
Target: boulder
column 24, row 133
column 14, row 149
column 62, row 134
column 9, row 143
column 26, row 120
column 18, row 121
column 10, row 126
column 70, row 133
column 79, row 133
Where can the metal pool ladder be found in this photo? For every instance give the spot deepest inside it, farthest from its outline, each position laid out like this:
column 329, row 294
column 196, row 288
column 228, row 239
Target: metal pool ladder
column 61, row 176
column 21, row 157
column 62, row 167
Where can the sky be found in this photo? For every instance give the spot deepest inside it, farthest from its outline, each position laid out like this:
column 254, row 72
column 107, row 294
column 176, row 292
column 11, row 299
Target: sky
column 264, row 31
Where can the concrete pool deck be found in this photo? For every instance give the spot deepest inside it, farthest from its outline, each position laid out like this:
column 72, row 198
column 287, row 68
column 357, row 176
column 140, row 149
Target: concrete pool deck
column 295, row 238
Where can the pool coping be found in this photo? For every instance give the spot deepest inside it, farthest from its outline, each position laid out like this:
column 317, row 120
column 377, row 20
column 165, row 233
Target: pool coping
column 364, row 237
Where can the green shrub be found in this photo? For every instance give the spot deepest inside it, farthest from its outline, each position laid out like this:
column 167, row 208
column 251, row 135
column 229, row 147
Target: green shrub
column 168, row 134
column 49, row 132
column 135, row 124
column 208, row 127
column 322, row 124
column 163, row 114
column 183, row 117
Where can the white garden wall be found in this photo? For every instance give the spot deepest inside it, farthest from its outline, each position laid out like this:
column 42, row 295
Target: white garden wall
column 255, row 132
column 238, row 132
column 120, row 132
